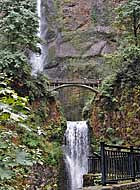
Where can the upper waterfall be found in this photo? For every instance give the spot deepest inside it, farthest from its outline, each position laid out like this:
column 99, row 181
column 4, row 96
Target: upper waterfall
column 39, row 60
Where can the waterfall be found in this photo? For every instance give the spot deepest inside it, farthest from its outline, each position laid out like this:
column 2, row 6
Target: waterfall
column 76, row 152
column 39, row 60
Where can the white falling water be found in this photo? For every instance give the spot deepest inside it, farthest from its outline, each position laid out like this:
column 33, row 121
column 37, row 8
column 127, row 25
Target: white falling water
column 37, row 60
column 76, row 152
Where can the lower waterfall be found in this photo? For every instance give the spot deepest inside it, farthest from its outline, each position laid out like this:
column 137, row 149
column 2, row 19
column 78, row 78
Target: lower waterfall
column 76, row 153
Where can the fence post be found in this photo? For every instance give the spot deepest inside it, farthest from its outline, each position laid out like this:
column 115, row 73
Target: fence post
column 132, row 163
column 103, row 163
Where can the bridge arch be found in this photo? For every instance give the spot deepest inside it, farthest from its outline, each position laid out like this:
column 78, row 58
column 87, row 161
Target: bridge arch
column 75, row 85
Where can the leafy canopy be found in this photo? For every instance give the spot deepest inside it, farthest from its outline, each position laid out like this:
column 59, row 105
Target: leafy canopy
column 128, row 21
column 23, row 142
column 127, row 25
column 18, row 24
column 18, row 29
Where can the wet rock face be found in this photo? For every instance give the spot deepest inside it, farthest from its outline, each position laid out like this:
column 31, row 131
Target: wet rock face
column 77, row 32
column 77, row 14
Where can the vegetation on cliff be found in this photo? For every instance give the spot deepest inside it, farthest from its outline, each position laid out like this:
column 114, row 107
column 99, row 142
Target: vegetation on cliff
column 115, row 116
column 31, row 123
column 30, row 146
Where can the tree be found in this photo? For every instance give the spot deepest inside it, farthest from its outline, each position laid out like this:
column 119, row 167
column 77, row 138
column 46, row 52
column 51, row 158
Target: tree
column 127, row 25
column 18, row 25
column 18, row 29
column 128, row 20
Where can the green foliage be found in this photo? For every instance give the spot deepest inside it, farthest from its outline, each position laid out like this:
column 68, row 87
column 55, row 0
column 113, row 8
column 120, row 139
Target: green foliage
column 54, row 153
column 116, row 111
column 18, row 29
column 12, row 62
column 37, row 87
column 20, row 150
column 13, row 108
column 131, row 52
column 19, row 24
column 127, row 25
column 128, row 20
column 24, row 143
column 27, row 141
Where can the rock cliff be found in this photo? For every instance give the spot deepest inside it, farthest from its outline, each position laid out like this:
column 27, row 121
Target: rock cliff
column 78, row 35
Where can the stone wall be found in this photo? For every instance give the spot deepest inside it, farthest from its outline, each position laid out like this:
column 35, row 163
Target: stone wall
column 128, row 186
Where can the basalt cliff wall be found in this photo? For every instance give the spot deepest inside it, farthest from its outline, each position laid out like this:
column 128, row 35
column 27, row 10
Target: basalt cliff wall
column 78, row 35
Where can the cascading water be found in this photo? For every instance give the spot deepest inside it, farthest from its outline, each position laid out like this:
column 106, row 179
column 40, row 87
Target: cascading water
column 36, row 58
column 76, row 153
column 39, row 60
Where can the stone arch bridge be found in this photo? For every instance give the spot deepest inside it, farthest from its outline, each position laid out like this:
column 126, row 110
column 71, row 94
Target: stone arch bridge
column 87, row 84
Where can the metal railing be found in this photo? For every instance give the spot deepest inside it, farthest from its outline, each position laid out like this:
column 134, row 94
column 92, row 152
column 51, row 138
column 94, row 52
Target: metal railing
column 115, row 163
column 94, row 164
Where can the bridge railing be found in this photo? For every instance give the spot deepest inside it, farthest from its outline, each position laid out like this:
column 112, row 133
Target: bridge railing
column 57, row 84
column 86, row 82
column 116, row 163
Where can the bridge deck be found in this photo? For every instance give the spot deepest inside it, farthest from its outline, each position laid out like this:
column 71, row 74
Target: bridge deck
column 88, row 84
column 85, row 82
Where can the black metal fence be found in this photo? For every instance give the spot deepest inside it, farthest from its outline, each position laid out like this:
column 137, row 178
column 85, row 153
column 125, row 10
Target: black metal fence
column 94, row 164
column 115, row 163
